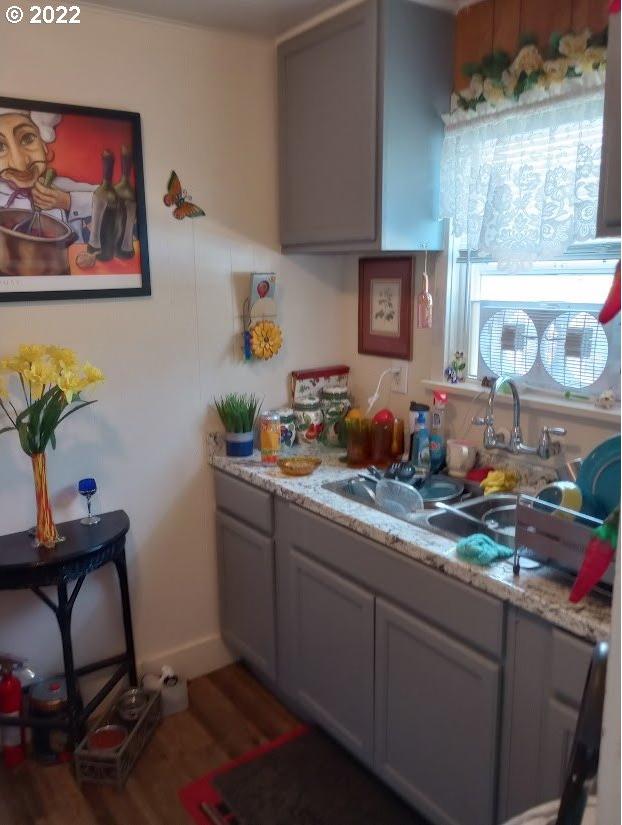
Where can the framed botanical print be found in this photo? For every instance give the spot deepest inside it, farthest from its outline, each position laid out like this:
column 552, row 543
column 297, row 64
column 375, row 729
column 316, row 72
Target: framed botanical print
column 72, row 203
column 385, row 307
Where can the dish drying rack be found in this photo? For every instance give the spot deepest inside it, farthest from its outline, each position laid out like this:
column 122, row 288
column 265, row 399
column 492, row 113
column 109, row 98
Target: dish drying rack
column 551, row 538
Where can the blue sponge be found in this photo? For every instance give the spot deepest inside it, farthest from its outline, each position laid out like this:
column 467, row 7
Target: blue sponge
column 481, row 549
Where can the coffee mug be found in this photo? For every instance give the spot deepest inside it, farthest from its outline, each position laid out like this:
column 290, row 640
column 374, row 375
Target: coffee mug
column 461, row 457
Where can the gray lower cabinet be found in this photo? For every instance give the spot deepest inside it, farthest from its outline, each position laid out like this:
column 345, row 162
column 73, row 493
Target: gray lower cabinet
column 247, row 592
column 466, row 707
column 437, row 706
column 331, row 627
column 546, row 670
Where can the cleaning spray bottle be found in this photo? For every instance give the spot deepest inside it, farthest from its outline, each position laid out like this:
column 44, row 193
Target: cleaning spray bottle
column 438, row 439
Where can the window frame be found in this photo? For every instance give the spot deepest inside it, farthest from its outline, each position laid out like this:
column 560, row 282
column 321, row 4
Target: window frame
column 462, row 330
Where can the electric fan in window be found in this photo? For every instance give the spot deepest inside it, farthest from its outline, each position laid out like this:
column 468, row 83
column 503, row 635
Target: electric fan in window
column 574, row 349
column 508, row 342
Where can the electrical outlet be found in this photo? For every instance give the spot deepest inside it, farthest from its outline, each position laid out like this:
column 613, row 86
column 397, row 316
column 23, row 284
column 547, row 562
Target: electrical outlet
column 399, row 380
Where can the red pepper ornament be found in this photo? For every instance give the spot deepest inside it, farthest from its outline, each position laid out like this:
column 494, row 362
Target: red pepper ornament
column 599, row 554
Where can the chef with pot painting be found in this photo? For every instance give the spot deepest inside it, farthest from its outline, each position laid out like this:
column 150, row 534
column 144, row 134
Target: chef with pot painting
column 24, row 158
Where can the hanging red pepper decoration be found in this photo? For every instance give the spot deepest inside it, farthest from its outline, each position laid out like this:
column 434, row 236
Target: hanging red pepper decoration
column 599, row 554
column 612, row 304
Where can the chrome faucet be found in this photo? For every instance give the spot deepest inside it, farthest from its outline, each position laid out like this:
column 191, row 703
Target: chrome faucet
column 494, row 441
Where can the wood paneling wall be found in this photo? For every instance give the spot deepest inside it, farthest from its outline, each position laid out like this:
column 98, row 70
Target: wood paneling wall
column 491, row 25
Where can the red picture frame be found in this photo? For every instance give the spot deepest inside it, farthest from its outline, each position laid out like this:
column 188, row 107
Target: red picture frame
column 386, row 307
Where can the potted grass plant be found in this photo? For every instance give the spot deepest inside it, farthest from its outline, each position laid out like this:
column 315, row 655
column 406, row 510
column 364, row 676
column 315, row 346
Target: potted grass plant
column 238, row 413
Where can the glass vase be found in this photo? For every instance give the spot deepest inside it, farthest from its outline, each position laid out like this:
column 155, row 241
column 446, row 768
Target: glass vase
column 46, row 534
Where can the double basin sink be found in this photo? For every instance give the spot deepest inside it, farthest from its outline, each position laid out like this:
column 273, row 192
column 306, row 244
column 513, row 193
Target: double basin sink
column 448, row 522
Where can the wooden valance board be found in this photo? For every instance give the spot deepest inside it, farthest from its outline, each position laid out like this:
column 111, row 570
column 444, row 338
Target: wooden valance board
column 491, row 25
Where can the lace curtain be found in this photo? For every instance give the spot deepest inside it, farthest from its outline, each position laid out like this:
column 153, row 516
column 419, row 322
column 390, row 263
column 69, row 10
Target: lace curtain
column 523, row 185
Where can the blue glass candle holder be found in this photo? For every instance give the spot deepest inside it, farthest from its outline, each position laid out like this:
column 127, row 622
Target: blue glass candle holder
column 87, row 487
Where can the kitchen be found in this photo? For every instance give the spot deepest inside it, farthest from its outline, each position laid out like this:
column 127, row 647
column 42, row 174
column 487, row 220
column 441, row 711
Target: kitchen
column 215, row 98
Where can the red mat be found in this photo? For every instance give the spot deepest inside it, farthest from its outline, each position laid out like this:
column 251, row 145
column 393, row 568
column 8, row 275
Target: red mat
column 203, row 790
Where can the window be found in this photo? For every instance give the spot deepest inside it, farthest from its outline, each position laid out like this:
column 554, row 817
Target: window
column 539, row 323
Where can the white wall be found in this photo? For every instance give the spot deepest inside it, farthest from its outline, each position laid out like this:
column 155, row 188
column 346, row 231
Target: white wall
column 207, row 102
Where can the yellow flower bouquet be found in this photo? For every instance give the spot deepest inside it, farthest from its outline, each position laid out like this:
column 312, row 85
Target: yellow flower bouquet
column 51, row 381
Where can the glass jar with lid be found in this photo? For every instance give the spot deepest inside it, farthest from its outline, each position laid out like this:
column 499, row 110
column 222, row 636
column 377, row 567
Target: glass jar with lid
column 270, row 436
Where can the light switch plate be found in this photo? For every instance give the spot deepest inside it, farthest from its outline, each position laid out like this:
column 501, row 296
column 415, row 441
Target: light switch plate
column 399, row 383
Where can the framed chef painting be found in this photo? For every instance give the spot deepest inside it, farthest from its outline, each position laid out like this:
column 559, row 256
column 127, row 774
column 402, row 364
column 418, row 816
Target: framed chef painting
column 72, row 203
column 385, row 307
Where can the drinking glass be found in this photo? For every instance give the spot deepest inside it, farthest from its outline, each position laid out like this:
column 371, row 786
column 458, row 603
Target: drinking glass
column 87, row 487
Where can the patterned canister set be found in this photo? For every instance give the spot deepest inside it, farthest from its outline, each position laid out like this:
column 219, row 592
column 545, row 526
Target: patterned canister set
column 315, row 418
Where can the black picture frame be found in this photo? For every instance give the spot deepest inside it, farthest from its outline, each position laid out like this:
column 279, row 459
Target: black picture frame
column 133, row 119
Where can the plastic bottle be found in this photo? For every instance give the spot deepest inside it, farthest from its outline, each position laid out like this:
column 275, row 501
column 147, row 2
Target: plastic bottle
column 420, row 445
column 438, row 440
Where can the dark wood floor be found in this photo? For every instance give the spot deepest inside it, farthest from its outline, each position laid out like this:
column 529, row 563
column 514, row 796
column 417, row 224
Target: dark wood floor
column 230, row 713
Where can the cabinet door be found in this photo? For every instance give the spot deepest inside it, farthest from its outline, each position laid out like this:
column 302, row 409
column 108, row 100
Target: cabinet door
column 332, row 651
column 328, row 131
column 436, row 719
column 247, row 597
column 609, row 197
column 545, row 675
column 557, row 742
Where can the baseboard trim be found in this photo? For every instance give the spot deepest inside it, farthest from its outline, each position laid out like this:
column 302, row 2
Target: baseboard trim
column 190, row 660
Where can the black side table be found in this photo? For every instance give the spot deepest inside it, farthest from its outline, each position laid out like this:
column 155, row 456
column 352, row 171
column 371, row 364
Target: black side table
column 84, row 550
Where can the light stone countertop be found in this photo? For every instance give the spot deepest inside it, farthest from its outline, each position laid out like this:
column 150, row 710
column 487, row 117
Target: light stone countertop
column 543, row 592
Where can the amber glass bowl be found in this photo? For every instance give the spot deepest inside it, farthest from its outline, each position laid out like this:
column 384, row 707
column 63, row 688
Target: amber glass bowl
column 300, row 465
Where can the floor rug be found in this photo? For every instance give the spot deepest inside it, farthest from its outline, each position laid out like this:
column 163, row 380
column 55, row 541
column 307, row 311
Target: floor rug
column 302, row 778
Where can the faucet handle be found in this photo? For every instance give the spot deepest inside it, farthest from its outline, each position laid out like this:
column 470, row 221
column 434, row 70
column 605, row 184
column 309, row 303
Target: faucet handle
column 546, row 446
column 554, row 430
column 481, row 421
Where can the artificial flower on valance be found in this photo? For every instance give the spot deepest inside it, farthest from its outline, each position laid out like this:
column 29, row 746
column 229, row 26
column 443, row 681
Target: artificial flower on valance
column 574, row 62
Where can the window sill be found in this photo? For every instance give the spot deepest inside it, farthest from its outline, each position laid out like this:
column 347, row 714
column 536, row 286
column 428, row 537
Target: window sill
column 533, row 401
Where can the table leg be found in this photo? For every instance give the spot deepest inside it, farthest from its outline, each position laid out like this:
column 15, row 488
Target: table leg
column 63, row 614
column 121, row 566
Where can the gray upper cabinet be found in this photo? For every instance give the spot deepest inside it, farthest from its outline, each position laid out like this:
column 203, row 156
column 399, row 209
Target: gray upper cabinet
column 437, row 706
column 246, row 592
column 360, row 99
column 332, row 647
column 609, row 196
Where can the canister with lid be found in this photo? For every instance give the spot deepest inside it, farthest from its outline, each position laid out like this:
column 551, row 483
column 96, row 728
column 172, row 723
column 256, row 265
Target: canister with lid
column 309, row 418
column 335, row 406
column 288, row 427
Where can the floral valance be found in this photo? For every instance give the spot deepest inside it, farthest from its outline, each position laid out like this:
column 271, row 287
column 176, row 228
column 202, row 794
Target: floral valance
column 575, row 62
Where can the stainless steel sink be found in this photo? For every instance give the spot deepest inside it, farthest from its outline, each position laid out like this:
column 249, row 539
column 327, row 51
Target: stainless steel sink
column 447, row 523
column 453, row 525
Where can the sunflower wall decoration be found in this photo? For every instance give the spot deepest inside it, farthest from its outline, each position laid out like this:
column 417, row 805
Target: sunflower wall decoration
column 266, row 339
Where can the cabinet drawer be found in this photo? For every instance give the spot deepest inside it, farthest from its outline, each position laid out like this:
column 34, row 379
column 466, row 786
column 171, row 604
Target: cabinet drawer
column 571, row 661
column 244, row 501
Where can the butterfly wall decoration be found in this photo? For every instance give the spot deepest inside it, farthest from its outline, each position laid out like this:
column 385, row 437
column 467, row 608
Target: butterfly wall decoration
column 181, row 200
